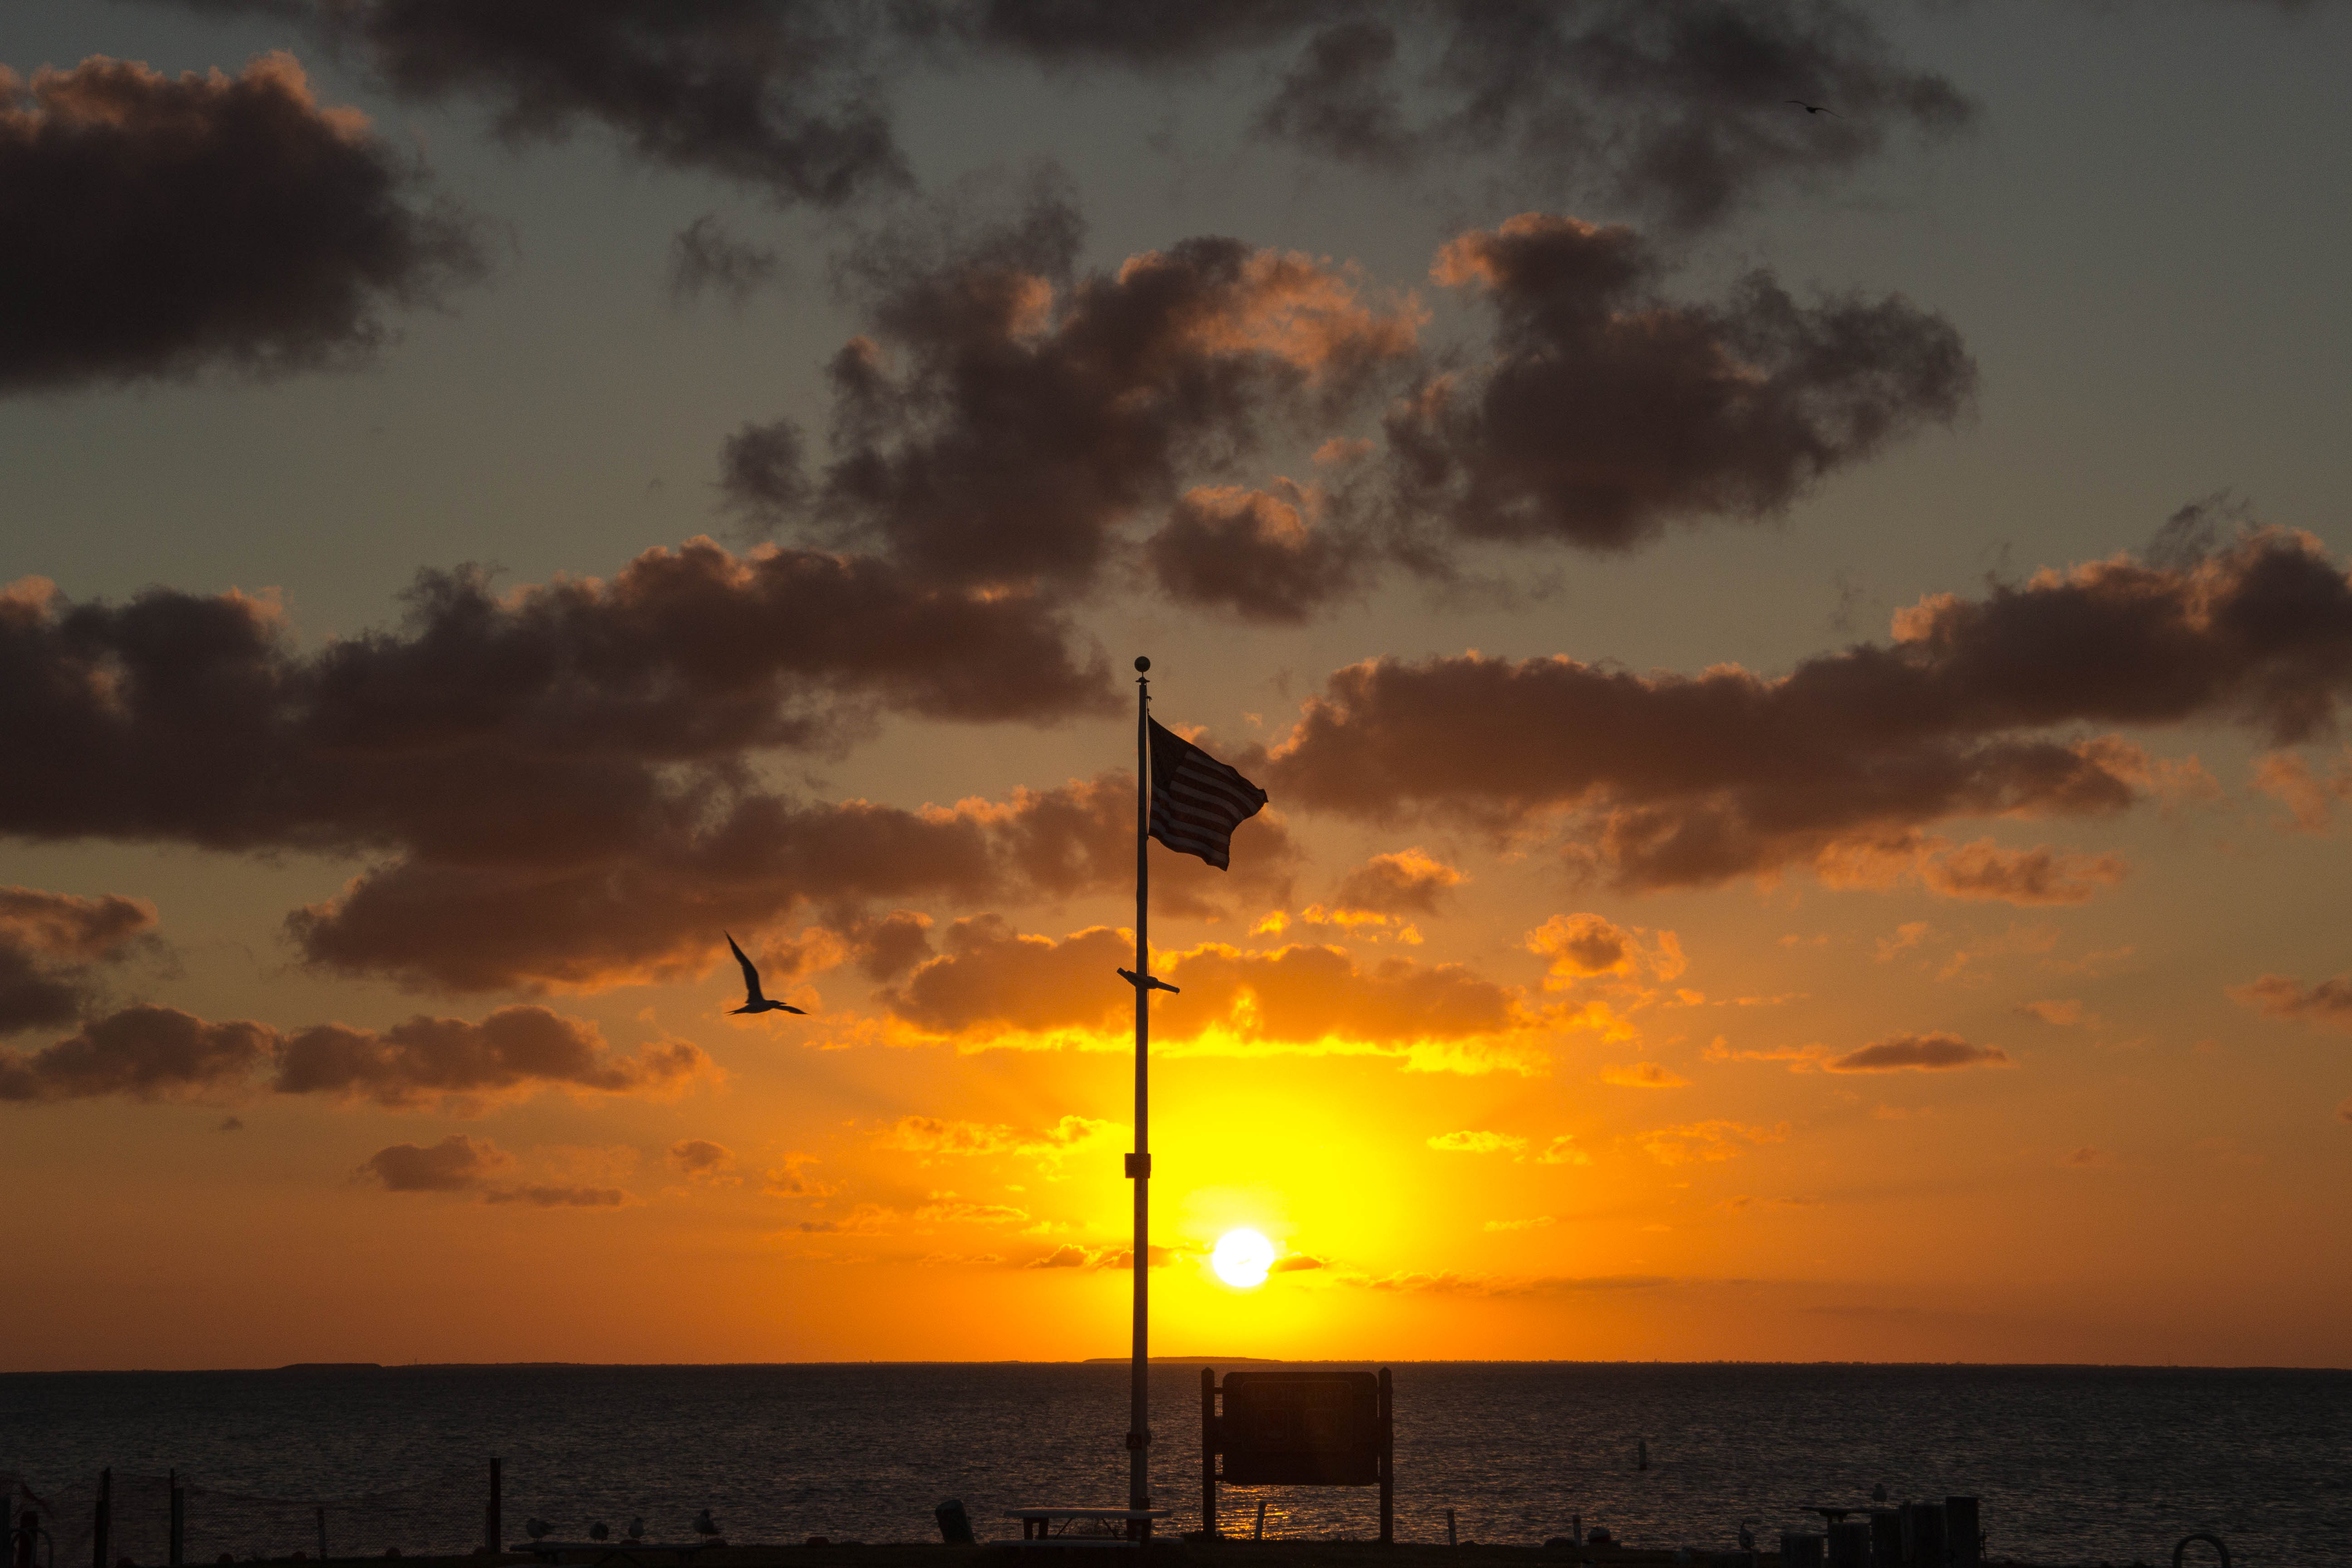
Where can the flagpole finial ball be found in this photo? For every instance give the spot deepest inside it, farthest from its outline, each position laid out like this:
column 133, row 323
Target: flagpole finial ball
column 1143, row 664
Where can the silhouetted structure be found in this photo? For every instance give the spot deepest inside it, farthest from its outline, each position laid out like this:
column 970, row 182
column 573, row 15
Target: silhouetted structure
column 1298, row 1429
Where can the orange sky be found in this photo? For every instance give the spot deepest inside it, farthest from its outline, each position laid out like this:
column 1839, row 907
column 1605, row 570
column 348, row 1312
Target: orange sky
column 1802, row 722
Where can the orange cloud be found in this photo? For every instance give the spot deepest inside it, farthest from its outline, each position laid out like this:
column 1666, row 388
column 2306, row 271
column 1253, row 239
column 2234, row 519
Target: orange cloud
column 1644, row 1075
column 2327, row 1004
column 1706, row 1141
column 1923, row 1053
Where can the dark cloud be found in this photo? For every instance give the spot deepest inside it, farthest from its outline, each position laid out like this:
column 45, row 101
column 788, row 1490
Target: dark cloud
column 1674, row 107
column 1407, row 881
column 1978, row 707
column 151, row 1053
column 1607, row 412
column 515, row 1050
column 48, row 942
column 1922, row 1053
column 158, row 226
column 2327, row 1004
column 455, row 1164
column 140, row 1053
column 704, row 258
column 1258, row 555
column 781, row 96
column 1007, row 419
column 552, row 1197
column 550, row 755
column 701, row 1159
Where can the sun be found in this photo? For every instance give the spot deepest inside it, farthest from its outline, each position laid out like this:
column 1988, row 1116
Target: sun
column 1242, row 1258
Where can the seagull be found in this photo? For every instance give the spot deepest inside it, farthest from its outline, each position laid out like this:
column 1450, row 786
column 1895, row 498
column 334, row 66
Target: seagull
column 1150, row 982
column 703, row 1523
column 637, row 1528
column 1813, row 108
column 753, row 1001
column 536, row 1528
column 597, row 1532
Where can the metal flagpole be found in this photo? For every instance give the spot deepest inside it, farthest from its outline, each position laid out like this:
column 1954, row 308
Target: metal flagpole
column 1138, row 1164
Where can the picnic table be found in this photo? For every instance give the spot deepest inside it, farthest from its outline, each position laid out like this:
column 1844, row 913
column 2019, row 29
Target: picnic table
column 1050, row 1526
column 551, row 1551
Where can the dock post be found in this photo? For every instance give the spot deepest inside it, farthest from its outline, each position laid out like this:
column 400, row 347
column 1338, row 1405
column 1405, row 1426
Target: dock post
column 1449, row 1527
column 1801, row 1549
column 1885, row 1538
column 493, row 1527
column 101, row 1518
column 1208, row 1454
column 176, row 1540
column 1388, row 1459
column 322, row 1534
column 1850, row 1543
column 1963, row 1541
column 1922, row 1534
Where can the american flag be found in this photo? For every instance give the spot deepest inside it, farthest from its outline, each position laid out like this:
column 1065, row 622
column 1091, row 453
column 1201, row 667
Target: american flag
column 1196, row 800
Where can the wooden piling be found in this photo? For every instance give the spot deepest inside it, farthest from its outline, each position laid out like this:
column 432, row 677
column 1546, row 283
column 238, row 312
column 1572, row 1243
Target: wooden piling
column 1850, row 1543
column 1801, row 1549
column 1923, row 1535
column 1449, row 1527
column 176, row 1539
column 101, row 1518
column 1885, row 1538
column 493, row 1523
column 1963, row 1541
column 1388, row 1460
column 322, row 1535
column 1209, row 1453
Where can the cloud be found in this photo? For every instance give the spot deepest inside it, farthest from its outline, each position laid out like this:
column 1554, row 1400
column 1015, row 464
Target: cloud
column 704, row 258
column 1923, row 1053
column 2066, row 1013
column 149, row 1053
column 933, row 1135
column 2310, row 800
column 2039, row 876
column 1706, row 1141
column 992, row 987
column 48, row 942
column 700, row 1159
column 780, row 97
column 1296, row 1263
column 1468, row 1142
column 1064, row 1257
column 1006, row 418
column 1407, row 881
column 143, row 1053
column 1607, row 412
column 168, row 225
column 792, row 1179
column 2088, row 1157
column 2327, row 1004
column 514, row 1051
column 1644, row 1075
column 1673, row 109
column 1976, row 709
column 2344, row 1111
column 455, row 1164
column 1581, row 947
column 616, row 716
column 458, row 1164
column 1258, row 555
column 1539, row 1222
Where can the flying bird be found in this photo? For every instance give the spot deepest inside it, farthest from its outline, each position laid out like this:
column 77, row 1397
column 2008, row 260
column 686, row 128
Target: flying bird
column 755, row 1000
column 1813, row 108
column 1150, row 982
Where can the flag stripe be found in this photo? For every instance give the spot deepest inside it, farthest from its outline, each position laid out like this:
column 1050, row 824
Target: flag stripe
column 1196, row 800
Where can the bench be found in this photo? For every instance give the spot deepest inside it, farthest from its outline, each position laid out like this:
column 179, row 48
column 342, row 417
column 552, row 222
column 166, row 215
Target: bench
column 1050, row 1526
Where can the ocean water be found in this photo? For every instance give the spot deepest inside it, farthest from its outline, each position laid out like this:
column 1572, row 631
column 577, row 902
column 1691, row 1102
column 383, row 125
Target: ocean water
column 2073, row 1465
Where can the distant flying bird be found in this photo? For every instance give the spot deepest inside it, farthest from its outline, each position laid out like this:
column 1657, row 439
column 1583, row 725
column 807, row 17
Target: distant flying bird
column 1813, row 108
column 753, row 1000
column 703, row 1523
column 597, row 1532
column 536, row 1528
column 1150, row 982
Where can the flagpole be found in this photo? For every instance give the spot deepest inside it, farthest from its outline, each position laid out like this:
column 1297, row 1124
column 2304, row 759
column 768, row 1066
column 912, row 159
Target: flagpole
column 1138, row 1164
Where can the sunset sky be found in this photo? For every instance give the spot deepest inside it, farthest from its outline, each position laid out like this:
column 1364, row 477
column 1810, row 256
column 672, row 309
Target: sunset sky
column 1797, row 659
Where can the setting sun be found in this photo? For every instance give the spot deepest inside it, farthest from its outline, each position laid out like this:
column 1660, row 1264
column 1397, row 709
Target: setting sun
column 1243, row 1257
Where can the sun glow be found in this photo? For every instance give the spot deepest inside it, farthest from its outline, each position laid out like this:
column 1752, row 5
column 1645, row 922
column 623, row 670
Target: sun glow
column 1242, row 1258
